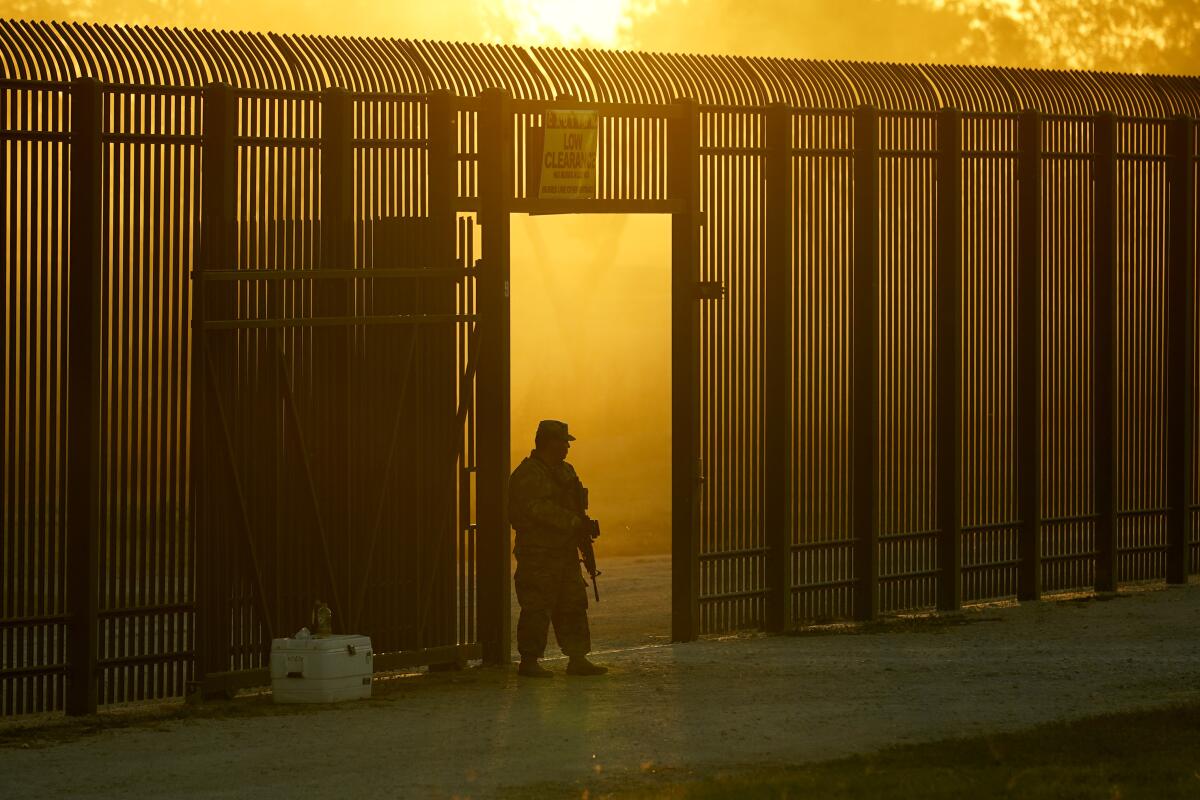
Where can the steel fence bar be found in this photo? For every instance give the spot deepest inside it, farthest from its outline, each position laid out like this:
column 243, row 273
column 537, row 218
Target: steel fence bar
column 217, row 246
column 366, row 274
column 815, row 111
column 918, row 573
column 40, row 669
column 161, row 608
column 727, row 596
column 733, row 151
column 991, row 526
column 392, row 143
column 683, row 183
column 445, row 383
column 1010, row 562
column 990, row 154
column 1079, row 555
column 493, row 413
column 824, row 152
column 987, row 115
column 949, row 332
column 622, row 110
column 1144, row 158
column 277, row 94
column 280, row 141
column 147, row 659
column 1181, row 346
column 159, row 90
column 333, row 299
column 1105, row 370
column 1029, row 355
column 1144, row 512
column 389, row 97
column 599, row 206
column 848, row 583
column 778, row 358
column 895, row 537
column 34, row 136
column 864, row 377
column 39, row 619
column 22, row 84
column 1068, row 519
column 1147, row 548
column 907, row 113
column 823, row 543
column 151, row 138
column 907, row 153
column 84, row 380
column 746, row 551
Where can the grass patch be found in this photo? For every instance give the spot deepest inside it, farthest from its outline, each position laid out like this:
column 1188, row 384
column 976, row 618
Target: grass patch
column 1142, row 754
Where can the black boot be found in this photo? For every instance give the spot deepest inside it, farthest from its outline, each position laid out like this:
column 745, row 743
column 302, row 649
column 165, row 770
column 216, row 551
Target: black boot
column 579, row 665
column 530, row 668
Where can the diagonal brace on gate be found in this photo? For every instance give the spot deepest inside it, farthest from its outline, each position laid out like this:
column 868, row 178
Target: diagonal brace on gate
column 468, row 378
column 243, row 511
column 406, row 372
column 293, row 416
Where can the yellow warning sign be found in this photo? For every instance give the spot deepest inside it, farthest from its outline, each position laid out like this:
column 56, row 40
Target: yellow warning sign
column 569, row 156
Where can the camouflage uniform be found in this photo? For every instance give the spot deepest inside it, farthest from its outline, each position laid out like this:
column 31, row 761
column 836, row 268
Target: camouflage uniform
column 550, row 585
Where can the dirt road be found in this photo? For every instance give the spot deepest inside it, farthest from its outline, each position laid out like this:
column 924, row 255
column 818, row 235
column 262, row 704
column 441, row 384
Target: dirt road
column 664, row 710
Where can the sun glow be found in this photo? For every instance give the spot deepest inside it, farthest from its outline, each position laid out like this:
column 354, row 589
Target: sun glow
column 597, row 23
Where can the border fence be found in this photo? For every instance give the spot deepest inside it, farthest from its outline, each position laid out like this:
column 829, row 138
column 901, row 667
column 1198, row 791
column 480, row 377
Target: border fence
column 933, row 339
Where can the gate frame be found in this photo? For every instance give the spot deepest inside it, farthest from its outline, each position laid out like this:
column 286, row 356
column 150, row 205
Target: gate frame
column 497, row 111
column 218, row 249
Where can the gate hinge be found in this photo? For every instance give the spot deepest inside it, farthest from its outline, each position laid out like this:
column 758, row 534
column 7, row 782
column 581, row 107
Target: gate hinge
column 710, row 290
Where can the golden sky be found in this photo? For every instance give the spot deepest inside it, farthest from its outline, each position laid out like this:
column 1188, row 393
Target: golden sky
column 1136, row 35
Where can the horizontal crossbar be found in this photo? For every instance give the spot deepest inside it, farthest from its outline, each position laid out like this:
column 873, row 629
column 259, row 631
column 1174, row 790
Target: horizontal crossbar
column 327, row 274
column 331, row 322
column 608, row 110
column 605, row 206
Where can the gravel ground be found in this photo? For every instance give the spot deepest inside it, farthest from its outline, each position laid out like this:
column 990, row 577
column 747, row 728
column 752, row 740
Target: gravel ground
column 664, row 710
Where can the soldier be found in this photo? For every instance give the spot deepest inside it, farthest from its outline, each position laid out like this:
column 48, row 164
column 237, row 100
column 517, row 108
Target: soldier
column 545, row 510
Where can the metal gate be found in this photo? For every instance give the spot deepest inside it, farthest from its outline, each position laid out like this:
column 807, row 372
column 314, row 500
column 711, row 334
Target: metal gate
column 333, row 379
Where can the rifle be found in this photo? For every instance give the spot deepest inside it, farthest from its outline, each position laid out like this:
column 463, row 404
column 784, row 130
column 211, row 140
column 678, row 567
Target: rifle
column 591, row 532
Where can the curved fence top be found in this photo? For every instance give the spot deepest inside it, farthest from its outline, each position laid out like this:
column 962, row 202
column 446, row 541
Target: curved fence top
column 58, row 51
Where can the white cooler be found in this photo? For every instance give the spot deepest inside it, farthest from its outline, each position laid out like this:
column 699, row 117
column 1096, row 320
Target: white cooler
column 322, row 669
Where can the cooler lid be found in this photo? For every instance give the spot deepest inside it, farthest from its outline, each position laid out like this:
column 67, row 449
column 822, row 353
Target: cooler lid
column 323, row 644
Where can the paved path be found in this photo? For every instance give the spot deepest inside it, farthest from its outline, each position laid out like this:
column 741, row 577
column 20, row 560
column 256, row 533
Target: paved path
column 663, row 709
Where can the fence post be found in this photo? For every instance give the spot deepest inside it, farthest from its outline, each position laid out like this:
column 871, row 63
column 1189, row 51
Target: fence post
column 334, row 298
column 1181, row 347
column 778, row 357
column 1029, row 355
column 492, row 389
column 84, row 377
column 1104, row 316
column 337, row 180
column 864, row 364
column 683, row 183
column 217, row 251
column 443, row 191
column 949, row 358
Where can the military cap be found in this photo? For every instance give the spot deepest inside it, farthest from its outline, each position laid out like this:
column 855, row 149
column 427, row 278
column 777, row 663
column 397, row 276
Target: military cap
column 553, row 429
